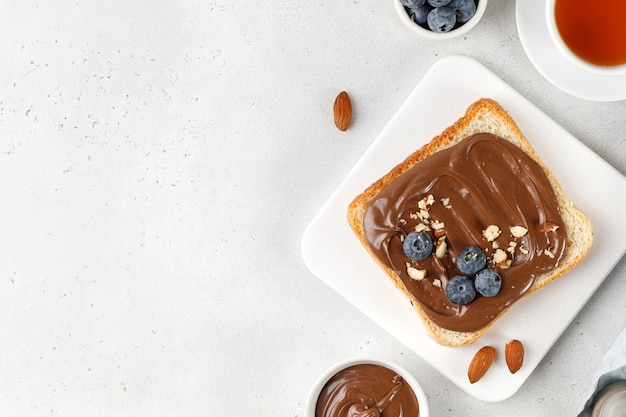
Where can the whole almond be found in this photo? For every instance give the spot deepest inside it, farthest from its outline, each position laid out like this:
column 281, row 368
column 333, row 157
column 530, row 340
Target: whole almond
column 481, row 363
column 514, row 355
column 342, row 111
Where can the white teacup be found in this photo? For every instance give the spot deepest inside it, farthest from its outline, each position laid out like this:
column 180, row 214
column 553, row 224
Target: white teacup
column 561, row 45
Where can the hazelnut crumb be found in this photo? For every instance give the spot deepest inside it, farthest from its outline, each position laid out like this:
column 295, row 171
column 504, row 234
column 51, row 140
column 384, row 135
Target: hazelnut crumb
column 414, row 273
column 425, row 202
column 511, row 248
column 548, row 253
column 437, row 282
column 518, row 231
column 505, row 264
column 499, row 256
column 442, row 247
column 549, row 227
column 437, row 225
column 491, row 233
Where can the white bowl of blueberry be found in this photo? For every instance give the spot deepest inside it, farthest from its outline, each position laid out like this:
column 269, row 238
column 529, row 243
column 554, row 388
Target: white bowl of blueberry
column 440, row 19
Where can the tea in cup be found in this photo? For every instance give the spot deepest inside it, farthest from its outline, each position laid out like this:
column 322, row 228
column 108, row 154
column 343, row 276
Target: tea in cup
column 591, row 34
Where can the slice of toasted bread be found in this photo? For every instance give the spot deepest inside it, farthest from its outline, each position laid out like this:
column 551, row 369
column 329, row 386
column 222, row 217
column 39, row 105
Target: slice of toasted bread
column 483, row 116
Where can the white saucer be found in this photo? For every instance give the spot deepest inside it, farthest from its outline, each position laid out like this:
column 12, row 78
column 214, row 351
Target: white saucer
column 555, row 67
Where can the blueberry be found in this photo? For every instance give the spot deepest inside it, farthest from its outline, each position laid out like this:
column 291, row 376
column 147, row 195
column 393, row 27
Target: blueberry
column 419, row 14
column 488, row 282
column 460, row 290
column 471, row 260
column 438, row 3
column 464, row 9
column 412, row 3
column 441, row 19
column 417, row 245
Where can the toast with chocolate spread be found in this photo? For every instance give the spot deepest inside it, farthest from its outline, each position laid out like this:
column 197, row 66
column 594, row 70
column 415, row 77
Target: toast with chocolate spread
column 469, row 224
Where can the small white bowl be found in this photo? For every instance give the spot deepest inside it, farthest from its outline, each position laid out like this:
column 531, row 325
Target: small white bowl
column 454, row 33
column 311, row 402
column 564, row 49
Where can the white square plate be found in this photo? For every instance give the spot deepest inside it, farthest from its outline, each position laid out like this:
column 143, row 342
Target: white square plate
column 333, row 253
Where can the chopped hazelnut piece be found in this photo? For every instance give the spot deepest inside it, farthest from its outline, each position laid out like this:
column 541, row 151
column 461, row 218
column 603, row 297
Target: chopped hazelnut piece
column 420, row 227
column 491, row 233
column 549, row 227
column 446, row 202
column 442, row 247
column 437, row 282
column 548, row 253
column 414, row 273
column 505, row 264
column 511, row 248
column 518, row 231
column 425, row 202
column 437, row 225
column 499, row 256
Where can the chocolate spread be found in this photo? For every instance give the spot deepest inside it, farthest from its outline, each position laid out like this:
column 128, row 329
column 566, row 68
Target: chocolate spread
column 456, row 194
column 357, row 388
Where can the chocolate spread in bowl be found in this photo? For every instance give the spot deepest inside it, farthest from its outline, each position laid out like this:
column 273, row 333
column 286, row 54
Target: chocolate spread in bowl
column 360, row 387
column 456, row 194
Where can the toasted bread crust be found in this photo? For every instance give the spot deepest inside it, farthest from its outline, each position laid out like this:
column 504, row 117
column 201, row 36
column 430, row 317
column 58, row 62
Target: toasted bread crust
column 483, row 116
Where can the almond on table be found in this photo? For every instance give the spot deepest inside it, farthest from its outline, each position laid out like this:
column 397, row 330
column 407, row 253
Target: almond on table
column 342, row 111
